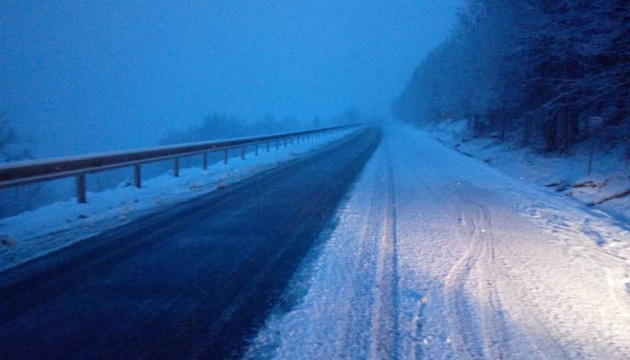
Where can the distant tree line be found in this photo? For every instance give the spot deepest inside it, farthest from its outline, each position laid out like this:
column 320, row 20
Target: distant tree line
column 219, row 126
column 534, row 70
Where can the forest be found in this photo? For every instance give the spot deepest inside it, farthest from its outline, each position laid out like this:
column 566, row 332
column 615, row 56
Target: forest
column 547, row 74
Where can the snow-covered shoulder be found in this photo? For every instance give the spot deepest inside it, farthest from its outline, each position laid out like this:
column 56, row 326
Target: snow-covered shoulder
column 437, row 255
column 35, row 233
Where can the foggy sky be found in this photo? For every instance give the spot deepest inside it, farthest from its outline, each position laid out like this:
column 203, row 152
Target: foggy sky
column 84, row 76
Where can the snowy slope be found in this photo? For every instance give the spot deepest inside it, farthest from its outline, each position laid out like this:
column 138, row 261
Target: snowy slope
column 566, row 174
column 436, row 255
column 49, row 228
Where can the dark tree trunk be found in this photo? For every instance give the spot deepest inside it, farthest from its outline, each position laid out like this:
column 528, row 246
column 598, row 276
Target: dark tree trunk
column 550, row 133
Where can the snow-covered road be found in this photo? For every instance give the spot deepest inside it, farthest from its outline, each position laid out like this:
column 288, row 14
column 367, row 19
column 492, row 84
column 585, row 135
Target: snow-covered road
column 437, row 256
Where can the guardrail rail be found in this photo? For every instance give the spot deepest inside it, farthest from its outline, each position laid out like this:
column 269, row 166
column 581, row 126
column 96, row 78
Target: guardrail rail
column 33, row 171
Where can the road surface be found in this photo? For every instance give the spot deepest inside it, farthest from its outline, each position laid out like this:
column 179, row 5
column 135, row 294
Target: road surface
column 436, row 255
column 193, row 282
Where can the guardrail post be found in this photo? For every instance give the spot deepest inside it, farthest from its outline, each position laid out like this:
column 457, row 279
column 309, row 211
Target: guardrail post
column 19, row 174
column 81, row 193
column 256, row 150
column 137, row 176
column 204, row 161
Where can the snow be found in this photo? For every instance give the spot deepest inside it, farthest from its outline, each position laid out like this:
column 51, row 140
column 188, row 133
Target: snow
column 567, row 173
column 35, row 233
column 437, row 255
column 433, row 255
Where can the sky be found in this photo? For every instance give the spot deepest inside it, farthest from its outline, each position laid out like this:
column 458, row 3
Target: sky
column 85, row 76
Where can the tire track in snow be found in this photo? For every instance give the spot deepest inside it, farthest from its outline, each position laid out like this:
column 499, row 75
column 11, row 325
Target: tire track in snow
column 477, row 331
column 480, row 270
column 416, row 350
column 371, row 326
column 459, row 312
column 356, row 323
column 494, row 322
column 385, row 342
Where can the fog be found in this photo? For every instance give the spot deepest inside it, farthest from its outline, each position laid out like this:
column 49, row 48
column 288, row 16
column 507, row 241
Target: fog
column 86, row 76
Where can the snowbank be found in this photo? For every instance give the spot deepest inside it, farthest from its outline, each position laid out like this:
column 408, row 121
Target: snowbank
column 605, row 188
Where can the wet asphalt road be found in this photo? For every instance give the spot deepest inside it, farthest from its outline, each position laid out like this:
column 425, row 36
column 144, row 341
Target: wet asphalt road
column 196, row 281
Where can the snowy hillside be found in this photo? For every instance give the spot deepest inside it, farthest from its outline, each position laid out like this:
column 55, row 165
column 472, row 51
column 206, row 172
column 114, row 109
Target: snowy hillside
column 607, row 187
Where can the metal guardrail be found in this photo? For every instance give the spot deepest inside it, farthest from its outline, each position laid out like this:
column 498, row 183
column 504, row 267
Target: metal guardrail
column 27, row 172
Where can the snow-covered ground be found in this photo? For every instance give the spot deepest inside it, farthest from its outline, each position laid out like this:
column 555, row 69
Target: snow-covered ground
column 566, row 174
column 434, row 255
column 49, row 228
column 437, row 255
